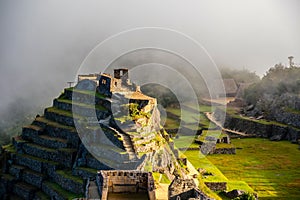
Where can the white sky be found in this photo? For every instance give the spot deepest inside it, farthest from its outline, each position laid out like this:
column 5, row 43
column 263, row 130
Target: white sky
column 44, row 42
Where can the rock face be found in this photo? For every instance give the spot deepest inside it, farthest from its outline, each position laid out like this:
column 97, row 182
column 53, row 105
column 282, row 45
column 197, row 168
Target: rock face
column 50, row 161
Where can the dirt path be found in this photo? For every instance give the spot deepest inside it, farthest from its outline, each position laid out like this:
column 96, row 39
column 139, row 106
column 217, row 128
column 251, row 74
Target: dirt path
column 161, row 192
column 192, row 172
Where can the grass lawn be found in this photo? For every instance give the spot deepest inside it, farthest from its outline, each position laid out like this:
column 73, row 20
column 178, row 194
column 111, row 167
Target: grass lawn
column 270, row 168
column 185, row 142
column 190, row 117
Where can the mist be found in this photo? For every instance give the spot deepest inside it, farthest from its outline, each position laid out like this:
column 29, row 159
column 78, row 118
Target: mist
column 43, row 43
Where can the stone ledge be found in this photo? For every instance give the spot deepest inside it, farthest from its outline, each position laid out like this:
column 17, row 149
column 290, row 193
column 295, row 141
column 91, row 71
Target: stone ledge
column 69, row 182
column 33, row 178
column 24, row 190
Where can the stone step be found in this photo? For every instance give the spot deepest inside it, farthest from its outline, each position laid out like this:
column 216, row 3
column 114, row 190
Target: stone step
column 16, row 171
column 58, row 130
column 33, row 178
column 60, row 116
column 24, row 190
column 67, row 156
column 81, row 109
column 7, row 181
column 18, row 143
column 85, row 172
column 41, row 152
column 13, row 197
column 41, row 196
column 36, row 164
column 64, row 156
column 58, row 193
column 51, row 142
column 87, row 97
column 31, row 131
column 67, row 181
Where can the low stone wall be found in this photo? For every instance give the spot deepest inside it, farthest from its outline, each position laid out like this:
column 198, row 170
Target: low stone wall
column 265, row 130
column 224, row 151
column 69, row 184
column 85, row 98
column 62, row 119
column 216, row 186
column 81, row 110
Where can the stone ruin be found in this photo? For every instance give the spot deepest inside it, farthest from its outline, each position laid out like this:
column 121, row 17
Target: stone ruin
column 127, row 181
column 48, row 159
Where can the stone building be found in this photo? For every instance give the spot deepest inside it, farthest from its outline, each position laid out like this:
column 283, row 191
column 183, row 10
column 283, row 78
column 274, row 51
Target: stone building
column 130, row 182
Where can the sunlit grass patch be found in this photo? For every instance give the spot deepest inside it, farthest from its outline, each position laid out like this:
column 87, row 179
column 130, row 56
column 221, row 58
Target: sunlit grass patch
column 270, row 168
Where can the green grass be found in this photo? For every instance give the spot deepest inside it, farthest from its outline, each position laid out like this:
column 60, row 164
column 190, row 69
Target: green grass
column 68, row 175
column 67, row 101
column 270, row 168
column 61, row 191
column 185, row 142
column 163, row 178
column 198, row 160
column 214, row 133
column 190, row 118
column 292, row 110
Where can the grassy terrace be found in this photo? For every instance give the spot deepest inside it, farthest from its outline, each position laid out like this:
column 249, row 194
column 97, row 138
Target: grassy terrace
column 270, row 168
column 54, row 124
column 234, row 113
column 86, row 92
column 189, row 116
column 89, row 106
column 61, row 191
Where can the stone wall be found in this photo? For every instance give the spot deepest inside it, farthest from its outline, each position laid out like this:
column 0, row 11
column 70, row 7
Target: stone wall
column 119, row 181
column 216, row 186
column 274, row 131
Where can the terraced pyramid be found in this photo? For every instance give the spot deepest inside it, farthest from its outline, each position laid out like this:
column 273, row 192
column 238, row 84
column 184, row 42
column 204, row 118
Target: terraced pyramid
column 50, row 161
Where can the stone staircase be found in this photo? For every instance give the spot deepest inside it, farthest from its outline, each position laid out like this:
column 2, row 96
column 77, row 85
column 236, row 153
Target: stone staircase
column 127, row 143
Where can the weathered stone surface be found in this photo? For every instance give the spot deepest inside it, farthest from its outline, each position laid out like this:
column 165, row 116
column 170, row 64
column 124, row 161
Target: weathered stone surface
column 216, row 186
column 33, row 178
column 7, row 181
column 88, row 99
column 234, row 193
column 31, row 162
column 24, row 190
column 86, row 84
column 41, row 152
column 224, row 151
column 82, row 110
column 69, row 134
column 269, row 130
column 51, row 142
column 31, row 131
column 69, row 182
column 60, row 118
column 16, row 171
column 51, row 190
column 85, row 172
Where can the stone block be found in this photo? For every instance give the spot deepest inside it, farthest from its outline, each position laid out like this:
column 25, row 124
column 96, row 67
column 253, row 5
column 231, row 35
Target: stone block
column 16, row 171
column 24, row 190
column 33, row 178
